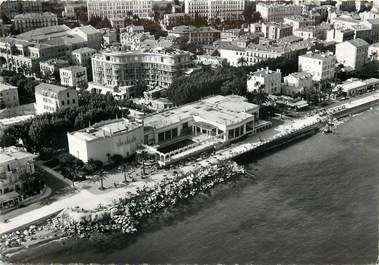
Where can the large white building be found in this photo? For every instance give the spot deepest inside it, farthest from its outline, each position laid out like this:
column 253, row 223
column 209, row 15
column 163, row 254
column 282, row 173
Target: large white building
column 13, row 163
column 73, row 76
column 352, row 53
column 320, row 65
column 267, row 79
column 272, row 30
column 50, row 98
column 103, row 140
column 205, row 124
column 119, row 8
column 277, row 12
column 212, row 9
column 151, row 66
column 8, row 96
column 29, row 21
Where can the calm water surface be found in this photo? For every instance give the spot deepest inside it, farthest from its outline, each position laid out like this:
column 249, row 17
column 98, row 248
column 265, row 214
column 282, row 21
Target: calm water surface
column 315, row 201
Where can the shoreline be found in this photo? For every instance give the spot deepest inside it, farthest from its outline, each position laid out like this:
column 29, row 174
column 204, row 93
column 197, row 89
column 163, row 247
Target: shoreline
column 15, row 254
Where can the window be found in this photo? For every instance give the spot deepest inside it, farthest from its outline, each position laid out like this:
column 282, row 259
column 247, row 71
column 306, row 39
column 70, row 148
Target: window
column 68, row 102
column 161, row 137
column 73, row 101
column 62, row 102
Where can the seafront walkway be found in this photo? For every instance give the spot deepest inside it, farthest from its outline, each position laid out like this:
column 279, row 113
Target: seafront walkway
column 90, row 201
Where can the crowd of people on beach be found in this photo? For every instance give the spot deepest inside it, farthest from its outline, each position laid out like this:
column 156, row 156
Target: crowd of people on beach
column 127, row 212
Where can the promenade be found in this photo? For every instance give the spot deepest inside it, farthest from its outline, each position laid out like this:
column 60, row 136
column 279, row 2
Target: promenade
column 88, row 200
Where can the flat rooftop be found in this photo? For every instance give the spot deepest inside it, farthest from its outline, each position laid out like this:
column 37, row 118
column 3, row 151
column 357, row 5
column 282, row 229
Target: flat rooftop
column 106, row 129
column 219, row 109
column 13, row 153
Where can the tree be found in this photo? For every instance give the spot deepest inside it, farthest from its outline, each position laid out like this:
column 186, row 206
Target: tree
column 241, row 61
column 100, row 176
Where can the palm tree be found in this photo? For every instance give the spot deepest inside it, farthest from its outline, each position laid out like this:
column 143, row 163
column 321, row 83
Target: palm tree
column 100, row 176
column 259, row 96
column 241, row 61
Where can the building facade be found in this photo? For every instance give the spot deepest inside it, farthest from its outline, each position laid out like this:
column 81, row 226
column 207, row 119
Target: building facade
column 8, row 96
column 74, row 76
column 297, row 82
column 153, row 67
column 29, row 21
column 352, row 53
column 13, row 163
column 320, row 65
column 50, row 98
column 212, row 9
column 119, row 8
column 103, row 140
column 82, row 56
column 266, row 79
column 272, row 30
column 50, row 68
column 11, row 8
column 277, row 12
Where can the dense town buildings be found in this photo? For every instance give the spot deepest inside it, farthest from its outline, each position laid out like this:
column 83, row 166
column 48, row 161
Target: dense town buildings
column 352, row 53
column 119, row 8
column 320, row 65
column 11, row 8
column 50, row 98
column 27, row 50
column 51, row 67
column 212, row 9
column 8, row 96
column 29, row 21
column 154, row 67
column 176, row 19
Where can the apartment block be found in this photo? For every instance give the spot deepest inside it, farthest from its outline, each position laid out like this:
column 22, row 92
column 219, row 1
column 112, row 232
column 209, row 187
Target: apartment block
column 352, row 53
column 320, row 65
column 50, row 98
column 73, row 76
column 267, row 79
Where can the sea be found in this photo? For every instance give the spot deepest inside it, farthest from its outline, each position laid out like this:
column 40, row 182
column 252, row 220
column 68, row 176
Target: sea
column 312, row 201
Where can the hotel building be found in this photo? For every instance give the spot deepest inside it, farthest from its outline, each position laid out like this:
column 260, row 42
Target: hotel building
column 73, row 76
column 50, row 98
column 8, row 96
column 103, row 140
column 119, row 8
column 124, row 68
column 320, row 65
column 277, row 12
column 29, row 21
column 212, row 9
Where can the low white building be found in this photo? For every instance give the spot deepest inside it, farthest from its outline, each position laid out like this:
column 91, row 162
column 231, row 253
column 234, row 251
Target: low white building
column 353, row 87
column 267, row 79
column 352, row 53
column 50, row 98
column 118, row 92
column 8, row 96
column 73, row 76
column 103, row 140
column 320, row 65
column 296, row 82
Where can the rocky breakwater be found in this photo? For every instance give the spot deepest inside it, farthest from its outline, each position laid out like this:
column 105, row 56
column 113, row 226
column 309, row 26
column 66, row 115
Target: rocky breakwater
column 125, row 214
